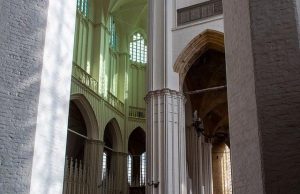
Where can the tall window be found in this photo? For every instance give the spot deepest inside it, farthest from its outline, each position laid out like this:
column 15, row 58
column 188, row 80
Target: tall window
column 129, row 169
column 138, row 49
column 143, row 169
column 82, row 6
column 113, row 34
column 104, row 165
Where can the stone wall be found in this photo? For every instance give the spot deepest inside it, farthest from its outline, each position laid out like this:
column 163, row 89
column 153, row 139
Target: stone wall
column 263, row 71
column 22, row 31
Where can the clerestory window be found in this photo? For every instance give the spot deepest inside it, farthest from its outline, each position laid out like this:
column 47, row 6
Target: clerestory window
column 82, row 6
column 138, row 49
column 113, row 34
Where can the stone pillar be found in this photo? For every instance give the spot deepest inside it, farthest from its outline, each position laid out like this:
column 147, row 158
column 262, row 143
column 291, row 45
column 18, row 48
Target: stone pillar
column 207, row 163
column 263, row 76
column 166, row 154
column 120, row 171
column 93, row 160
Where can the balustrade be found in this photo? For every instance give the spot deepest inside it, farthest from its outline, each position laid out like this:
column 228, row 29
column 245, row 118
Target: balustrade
column 115, row 102
column 135, row 112
column 85, row 78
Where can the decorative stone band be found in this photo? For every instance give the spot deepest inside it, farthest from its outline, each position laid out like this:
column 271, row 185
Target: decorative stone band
column 164, row 92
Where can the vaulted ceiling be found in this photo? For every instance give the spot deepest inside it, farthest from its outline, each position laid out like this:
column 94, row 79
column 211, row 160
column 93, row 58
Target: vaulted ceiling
column 130, row 13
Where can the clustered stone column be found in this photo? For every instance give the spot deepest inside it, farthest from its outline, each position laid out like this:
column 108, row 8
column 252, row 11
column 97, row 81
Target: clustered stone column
column 199, row 163
column 93, row 160
column 166, row 151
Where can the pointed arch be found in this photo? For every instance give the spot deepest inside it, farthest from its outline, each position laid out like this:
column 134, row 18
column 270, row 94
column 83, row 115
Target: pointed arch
column 209, row 39
column 112, row 129
column 88, row 115
column 137, row 141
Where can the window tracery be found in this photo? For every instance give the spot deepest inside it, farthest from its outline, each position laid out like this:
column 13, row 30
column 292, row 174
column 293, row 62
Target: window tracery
column 138, row 49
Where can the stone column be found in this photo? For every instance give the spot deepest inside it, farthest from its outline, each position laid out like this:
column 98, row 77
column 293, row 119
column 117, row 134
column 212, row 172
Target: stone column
column 93, row 160
column 263, row 76
column 120, row 171
column 207, row 172
column 166, row 154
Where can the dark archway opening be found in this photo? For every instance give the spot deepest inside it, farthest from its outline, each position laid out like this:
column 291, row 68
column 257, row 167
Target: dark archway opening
column 108, row 151
column 77, row 130
column 206, row 153
column 136, row 161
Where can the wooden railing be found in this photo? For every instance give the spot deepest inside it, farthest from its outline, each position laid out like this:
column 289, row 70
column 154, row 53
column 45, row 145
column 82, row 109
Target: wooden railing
column 199, row 11
column 75, row 178
column 135, row 112
column 84, row 77
column 115, row 102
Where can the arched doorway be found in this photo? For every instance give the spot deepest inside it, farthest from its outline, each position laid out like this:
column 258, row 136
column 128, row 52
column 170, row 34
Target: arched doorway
column 136, row 161
column 202, row 72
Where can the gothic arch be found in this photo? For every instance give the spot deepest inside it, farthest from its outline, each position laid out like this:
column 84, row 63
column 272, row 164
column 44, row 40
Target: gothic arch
column 88, row 114
column 137, row 141
column 209, row 39
column 113, row 130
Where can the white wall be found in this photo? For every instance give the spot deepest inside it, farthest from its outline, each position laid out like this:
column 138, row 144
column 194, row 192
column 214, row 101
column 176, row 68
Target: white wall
column 183, row 35
column 186, row 3
column 51, row 131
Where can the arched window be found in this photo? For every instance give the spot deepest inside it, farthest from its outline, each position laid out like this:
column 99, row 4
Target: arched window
column 82, row 6
column 138, row 49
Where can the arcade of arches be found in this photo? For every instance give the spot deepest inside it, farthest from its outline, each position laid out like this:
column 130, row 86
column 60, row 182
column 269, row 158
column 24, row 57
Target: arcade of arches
column 150, row 97
column 106, row 143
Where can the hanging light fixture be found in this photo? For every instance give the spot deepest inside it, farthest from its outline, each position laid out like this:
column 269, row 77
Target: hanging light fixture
column 198, row 124
column 199, row 127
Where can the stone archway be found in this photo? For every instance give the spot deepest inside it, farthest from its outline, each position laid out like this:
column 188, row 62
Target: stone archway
column 209, row 39
column 88, row 114
column 82, row 169
column 137, row 161
column 202, row 66
column 113, row 160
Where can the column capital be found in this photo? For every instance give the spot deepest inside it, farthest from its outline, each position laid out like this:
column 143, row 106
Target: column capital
column 164, row 92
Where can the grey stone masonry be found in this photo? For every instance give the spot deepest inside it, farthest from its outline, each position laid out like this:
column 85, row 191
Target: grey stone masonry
column 263, row 76
column 22, row 32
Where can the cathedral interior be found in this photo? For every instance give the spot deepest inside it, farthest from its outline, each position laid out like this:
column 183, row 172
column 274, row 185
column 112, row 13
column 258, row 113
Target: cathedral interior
column 150, row 97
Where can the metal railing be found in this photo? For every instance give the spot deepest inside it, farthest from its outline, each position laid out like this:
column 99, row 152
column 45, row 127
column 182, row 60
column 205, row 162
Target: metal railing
column 81, row 75
column 199, row 11
column 136, row 112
